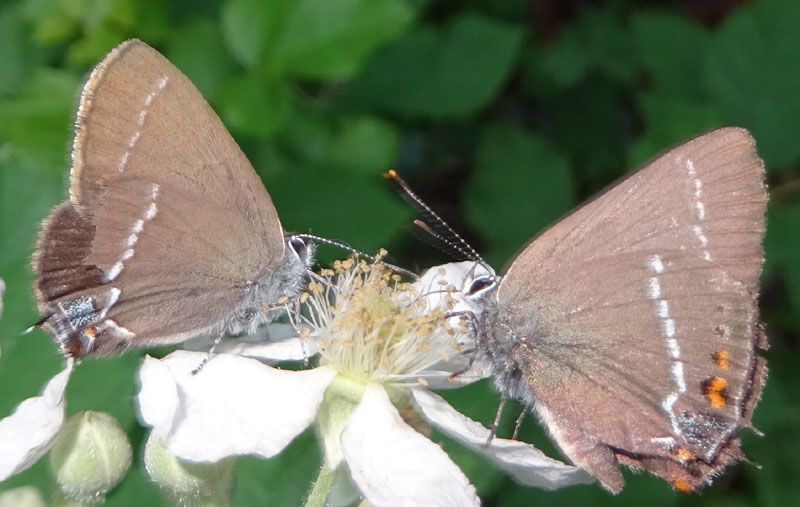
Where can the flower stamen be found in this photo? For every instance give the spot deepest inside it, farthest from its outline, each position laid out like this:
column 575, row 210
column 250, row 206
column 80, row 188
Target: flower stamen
column 373, row 327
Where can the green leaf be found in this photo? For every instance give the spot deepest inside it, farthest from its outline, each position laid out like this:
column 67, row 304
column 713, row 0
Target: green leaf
column 94, row 13
column 37, row 121
column 451, row 72
column 16, row 50
column 596, row 42
column 365, row 145
column 197, row 48
column 137, row 488
column 92, row 48
column 53, row 20
column 152, row 21
column 249, row 25
column 781, row 247
column 324, row 39
column 306, row 138
column 359, row 209
column 106, row 23
column 117, row 375
column 282, row 480
column 671, row 49
column 753, row 76
column 518, row 187
column 510, row 10
column 778, row 415
column 670, row 119
column 584, row 123
column 27, row 192
column 253, row 106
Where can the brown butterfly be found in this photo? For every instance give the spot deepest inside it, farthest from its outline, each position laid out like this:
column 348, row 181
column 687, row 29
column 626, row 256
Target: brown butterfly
column 168, row 232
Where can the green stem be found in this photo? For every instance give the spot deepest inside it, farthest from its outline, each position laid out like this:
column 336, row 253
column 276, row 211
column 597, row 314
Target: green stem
column 321, row 488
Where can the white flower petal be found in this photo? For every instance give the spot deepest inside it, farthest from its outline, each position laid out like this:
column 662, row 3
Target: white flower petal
column 27, row 434
column 524, row 462
column 233, row 406
column 393, row 465
column 157, row 398
column 274, row 333
column 289, row 349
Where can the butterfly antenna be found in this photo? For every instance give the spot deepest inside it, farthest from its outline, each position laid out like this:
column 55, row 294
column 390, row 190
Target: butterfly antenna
column 345, row 246
column 38, row 323
column 435, row 238
column 449, row 237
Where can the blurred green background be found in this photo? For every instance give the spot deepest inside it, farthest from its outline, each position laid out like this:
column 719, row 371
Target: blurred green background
column 502, row 114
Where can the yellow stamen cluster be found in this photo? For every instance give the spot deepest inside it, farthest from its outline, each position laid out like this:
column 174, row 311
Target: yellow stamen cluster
column 372, row 327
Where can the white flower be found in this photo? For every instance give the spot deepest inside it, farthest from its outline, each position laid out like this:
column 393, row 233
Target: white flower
column 27, row 434
column 381, row 343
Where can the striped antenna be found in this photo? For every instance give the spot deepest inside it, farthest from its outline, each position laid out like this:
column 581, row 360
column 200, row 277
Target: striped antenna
column 345, row 246
column 441, row 230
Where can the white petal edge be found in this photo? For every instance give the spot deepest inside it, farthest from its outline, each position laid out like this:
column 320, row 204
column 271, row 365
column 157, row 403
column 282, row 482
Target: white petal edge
column 524, row 462
column 394, row 465
column 233, row 406
column 157, row 401
column 26, row 434
column 272, row 344
column 289, row 349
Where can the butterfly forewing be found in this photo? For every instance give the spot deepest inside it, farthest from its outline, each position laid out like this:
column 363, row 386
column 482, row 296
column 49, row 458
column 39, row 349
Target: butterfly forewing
column 636, row 316
column 164, row 211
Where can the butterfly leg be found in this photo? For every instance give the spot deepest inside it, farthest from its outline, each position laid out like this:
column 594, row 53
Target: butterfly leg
column 496, row 423
column 211, row 352
column 518, row 423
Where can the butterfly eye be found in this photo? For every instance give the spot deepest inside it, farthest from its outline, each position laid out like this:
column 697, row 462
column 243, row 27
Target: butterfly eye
column 480, row 285
column 299, row 247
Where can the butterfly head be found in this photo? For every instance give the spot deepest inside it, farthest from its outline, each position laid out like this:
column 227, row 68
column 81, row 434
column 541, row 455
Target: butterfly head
column 479, row 283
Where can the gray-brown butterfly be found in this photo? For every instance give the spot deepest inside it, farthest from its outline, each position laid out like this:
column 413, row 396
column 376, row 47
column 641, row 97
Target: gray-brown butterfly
column 630, row 327
column 168, row 232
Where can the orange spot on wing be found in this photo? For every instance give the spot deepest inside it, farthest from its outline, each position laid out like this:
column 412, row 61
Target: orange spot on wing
column 722, row 359
column 90, row 331
column 685, row 454
column 716, row 400
column 682, row 485
column 715, row 391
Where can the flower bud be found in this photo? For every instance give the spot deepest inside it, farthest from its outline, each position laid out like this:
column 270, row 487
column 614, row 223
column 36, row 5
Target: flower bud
column 90, row 456
column 193, row 484
column 24, row 496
